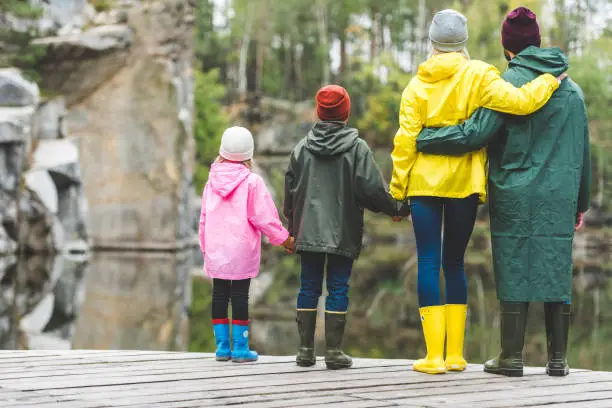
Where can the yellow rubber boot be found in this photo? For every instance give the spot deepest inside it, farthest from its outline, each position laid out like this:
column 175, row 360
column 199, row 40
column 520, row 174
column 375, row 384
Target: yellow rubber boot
column 434, row 329
column 455, row 333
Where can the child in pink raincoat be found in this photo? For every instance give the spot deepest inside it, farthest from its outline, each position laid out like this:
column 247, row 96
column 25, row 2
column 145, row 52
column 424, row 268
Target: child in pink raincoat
column 236, row 209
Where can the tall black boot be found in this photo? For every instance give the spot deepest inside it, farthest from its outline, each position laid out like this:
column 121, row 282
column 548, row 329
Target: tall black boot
column 334, row 331
column 306, row 322
column 509, row 362
column 557, row 317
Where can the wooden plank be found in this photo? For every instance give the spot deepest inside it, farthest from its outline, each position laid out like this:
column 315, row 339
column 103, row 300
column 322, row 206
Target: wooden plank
column 254, row 376
column 469, row 387
column 152, row 374
column 297, row 402
column 201, row 389
column 597, row 403
column 101, row 368
column 359, row 404
column 440, row 387
column 312, row 385
column 207, row 364
column 588, row 399
column 101, row 360
column 514, row 397
column 329, row 381
column 70, row 404
column 85, row 365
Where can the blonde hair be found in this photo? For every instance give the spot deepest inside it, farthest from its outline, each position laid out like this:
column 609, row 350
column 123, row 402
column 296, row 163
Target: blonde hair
column 249, row 164
column 435, row 51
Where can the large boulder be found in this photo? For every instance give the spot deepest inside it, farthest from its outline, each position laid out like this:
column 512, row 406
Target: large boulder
column 48, row 119
column 56, row 177
column 76, row 65
column 15, row 90
column 60, row 13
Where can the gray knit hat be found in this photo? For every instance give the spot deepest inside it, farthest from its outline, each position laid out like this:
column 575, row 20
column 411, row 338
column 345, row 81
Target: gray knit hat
column 448, row 31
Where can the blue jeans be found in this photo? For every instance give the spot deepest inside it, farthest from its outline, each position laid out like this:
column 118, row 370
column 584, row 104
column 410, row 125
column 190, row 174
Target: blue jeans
column 459, row 215
column 338, row 274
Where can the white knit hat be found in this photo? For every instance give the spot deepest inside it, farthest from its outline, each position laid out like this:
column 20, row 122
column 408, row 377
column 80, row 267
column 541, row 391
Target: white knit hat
column 236, row 144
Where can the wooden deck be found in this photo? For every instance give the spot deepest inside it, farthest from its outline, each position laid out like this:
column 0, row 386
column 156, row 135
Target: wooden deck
column 88, row 379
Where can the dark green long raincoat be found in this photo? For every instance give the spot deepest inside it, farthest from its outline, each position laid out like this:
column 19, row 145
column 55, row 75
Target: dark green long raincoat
column 539, row 179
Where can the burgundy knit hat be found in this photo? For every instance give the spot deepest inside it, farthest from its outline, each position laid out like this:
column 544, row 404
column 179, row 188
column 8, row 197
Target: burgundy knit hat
column 520, row 30
column 333, row 103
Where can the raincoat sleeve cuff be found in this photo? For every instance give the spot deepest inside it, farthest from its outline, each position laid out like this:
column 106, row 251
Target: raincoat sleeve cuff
column 554, row 82
column 278, row 239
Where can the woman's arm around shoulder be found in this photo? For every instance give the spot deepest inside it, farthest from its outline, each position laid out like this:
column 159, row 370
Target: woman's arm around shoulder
column 498, row 95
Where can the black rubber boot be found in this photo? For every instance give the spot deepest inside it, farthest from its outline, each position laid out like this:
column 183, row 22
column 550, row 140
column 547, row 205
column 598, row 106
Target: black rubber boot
column 509, row 362
column 557, row 317
column 306, row 322
column 335, row 359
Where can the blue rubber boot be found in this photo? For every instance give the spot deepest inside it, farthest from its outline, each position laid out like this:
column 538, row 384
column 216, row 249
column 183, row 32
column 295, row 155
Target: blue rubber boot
column 222, row 339
column 240, row 335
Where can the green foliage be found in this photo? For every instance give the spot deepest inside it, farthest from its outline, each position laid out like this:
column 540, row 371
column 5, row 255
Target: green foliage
column 593, row 72
column 201, row 338
column 379, row 121
column 20, row 9
column 28, row 60
column 102, row 5
column 210, row 123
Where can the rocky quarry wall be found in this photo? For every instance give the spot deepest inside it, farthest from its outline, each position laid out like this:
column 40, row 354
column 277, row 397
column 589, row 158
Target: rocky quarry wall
column 96, row 151
column 115, row 118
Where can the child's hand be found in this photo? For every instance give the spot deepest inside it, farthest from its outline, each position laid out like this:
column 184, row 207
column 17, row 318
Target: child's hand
column 289, row 245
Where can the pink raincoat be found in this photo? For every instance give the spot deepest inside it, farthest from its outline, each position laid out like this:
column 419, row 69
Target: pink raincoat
column 236, row 209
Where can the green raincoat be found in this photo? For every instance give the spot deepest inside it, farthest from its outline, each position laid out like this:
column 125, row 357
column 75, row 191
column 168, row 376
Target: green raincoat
column 539, row 179
column 331, row 178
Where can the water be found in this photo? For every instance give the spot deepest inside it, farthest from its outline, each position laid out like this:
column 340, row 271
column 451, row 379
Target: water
column 142, row 301
column 110, row 301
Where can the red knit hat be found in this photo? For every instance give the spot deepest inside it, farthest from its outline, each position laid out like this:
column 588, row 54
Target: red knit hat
column 520, row 30
column 333, row 103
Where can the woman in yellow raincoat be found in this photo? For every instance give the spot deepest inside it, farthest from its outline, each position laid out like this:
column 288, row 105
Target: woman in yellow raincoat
column 446, row 190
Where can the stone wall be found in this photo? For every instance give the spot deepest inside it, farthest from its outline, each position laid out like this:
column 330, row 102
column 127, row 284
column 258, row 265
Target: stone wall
column 128, row 89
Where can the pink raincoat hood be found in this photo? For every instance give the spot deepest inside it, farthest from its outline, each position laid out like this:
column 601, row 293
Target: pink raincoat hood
column 224, row 178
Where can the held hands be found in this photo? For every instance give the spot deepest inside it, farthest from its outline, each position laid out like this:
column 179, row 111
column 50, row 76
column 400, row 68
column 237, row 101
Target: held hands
column 289, row 245
column 403, row 211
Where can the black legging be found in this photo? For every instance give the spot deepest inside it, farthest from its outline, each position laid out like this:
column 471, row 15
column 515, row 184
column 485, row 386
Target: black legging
column 238, row 291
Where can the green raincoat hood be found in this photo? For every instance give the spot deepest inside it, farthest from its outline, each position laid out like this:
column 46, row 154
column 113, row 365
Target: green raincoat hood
column 331, row 138
column 541, row 60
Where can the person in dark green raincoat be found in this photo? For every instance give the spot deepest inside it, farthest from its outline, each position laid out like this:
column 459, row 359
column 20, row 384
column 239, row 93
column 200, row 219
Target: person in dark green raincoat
column 539, row 188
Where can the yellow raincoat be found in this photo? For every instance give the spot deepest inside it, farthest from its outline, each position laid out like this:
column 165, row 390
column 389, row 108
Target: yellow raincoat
column 447, row 89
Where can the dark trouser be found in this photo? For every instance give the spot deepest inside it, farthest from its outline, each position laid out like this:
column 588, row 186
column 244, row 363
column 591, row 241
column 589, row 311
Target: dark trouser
column 338, row 274
column 238, row 292
column 459, row 215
